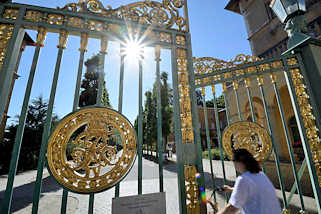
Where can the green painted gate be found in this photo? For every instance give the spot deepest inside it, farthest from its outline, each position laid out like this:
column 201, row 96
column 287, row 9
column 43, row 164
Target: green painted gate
column 154, row 24
column 160, row 25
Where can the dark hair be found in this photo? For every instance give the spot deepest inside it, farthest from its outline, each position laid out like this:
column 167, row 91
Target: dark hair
column 245, row 157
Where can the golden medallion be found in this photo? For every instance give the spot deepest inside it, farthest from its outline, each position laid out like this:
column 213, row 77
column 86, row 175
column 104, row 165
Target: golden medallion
column 247, row 135
column 91, row 150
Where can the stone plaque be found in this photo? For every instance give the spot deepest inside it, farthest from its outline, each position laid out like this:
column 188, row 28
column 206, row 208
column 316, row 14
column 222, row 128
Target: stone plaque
column 140, row 204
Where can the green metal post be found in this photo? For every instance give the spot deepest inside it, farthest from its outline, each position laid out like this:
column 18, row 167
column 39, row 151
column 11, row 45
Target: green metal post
column 293, row 189
column 287, row 136
column 6, row 204
column 140, row 127
column 195, row 119
column 159, row 119
column 178, row 134
column 120, row 101
column 303, row 134
column 101, row 79
column 238, row 102
column 9, row 64
column 226, row 107
column 64, row 201
column 46, row 133
column 91, row 203
column 77, row 89
column 249, row 94
column 219, row 136
column 276, row 154
column 209, row 144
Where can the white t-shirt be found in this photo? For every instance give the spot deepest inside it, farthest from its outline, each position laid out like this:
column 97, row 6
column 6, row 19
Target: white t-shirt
column 255, row 194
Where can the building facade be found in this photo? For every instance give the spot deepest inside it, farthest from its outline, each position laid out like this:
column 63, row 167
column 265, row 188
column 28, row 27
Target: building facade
column 265, row 31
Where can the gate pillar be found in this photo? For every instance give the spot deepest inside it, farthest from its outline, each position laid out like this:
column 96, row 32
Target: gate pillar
column 305, row 92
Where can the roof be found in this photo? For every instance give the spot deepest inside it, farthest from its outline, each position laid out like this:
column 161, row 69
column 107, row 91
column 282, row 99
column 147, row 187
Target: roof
column 233, row 5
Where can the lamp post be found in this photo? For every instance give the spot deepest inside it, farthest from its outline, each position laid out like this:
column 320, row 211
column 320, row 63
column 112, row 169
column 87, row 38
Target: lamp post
column 291, row 12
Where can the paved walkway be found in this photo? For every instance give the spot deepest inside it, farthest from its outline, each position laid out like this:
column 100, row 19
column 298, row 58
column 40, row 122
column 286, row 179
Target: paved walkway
column 50, row 201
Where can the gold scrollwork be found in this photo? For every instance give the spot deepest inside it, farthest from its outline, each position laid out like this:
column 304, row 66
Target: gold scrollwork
column 32, row 15
column 291, row 61
column 180, row 40
column 247, row 135
column 5, row 35
column 161, row 14
column 209, row 64
column 308, row 119
column 11, row 14
column 165, row 37
column 184, row 97
column 55, row 19
column 191, row 188
column 76, row 22
column 91, row 150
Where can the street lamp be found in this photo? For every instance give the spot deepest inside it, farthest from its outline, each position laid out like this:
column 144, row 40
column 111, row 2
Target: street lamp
column 292, row 12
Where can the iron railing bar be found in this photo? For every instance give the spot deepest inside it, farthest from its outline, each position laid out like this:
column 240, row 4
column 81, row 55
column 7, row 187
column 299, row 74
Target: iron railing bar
column 6, row 205
column 120, row 99
column 287, row 136
column 140, row 127
column 276, row 155
column 46, row 133
column 91, row 203
column 218, row 130
column 238, row 103
column 101, row 79
column 209, row 144
column 64, row 201
column 159, row 120
column 178, row 132
column 293, row 189
column 79, row 74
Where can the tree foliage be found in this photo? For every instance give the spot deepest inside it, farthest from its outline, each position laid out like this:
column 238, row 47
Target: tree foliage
column 31, row 141
column 219, row 101
column 89, row 85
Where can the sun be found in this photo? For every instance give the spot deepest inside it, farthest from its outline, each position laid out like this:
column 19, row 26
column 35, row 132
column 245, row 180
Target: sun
column 133, row 50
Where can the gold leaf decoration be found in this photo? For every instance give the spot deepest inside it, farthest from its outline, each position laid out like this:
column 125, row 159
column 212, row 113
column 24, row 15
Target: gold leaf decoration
column 91, row 150
column 161, row 14
column 247, row 135
column 5, row 35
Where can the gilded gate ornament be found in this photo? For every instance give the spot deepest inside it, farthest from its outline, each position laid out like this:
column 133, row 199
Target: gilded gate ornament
column 247, row 135
column 161, row 14
column 91, row 150
column 5, row 36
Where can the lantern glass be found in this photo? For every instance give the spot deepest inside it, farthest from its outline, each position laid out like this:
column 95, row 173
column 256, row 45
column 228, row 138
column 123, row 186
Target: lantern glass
column 302, row 5
column 291, row 6
column 279, row 9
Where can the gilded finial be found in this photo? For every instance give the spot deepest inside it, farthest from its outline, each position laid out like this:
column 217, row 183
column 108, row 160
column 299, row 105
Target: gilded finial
column 213, row 89
column 83, row 42
column 235, row 84
column 157, row 53
column 63, row 36
column 41, row 36
column 247, row 82
column 103, row 45
column 273, row 77
column 260, row 80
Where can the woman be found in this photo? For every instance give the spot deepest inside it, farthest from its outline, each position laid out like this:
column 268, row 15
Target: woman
column 253, row 192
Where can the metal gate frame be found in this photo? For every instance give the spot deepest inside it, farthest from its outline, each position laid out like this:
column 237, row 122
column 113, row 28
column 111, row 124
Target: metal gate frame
column 89, row 19
column 210, row 72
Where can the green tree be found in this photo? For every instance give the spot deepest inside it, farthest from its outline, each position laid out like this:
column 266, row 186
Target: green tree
column 89, row 85
column 31, row 142
column 219, row 101
column 149, row 120
column 166, row 108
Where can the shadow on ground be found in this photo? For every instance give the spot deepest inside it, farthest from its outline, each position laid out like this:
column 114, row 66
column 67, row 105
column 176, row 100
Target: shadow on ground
column 23, row 195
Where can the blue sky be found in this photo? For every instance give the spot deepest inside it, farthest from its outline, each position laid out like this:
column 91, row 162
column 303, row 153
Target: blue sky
column 215, row 33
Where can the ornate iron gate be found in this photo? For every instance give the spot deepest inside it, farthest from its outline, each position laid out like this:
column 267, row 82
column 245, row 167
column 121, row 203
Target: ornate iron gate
column 156, row 24
column 247, row 123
